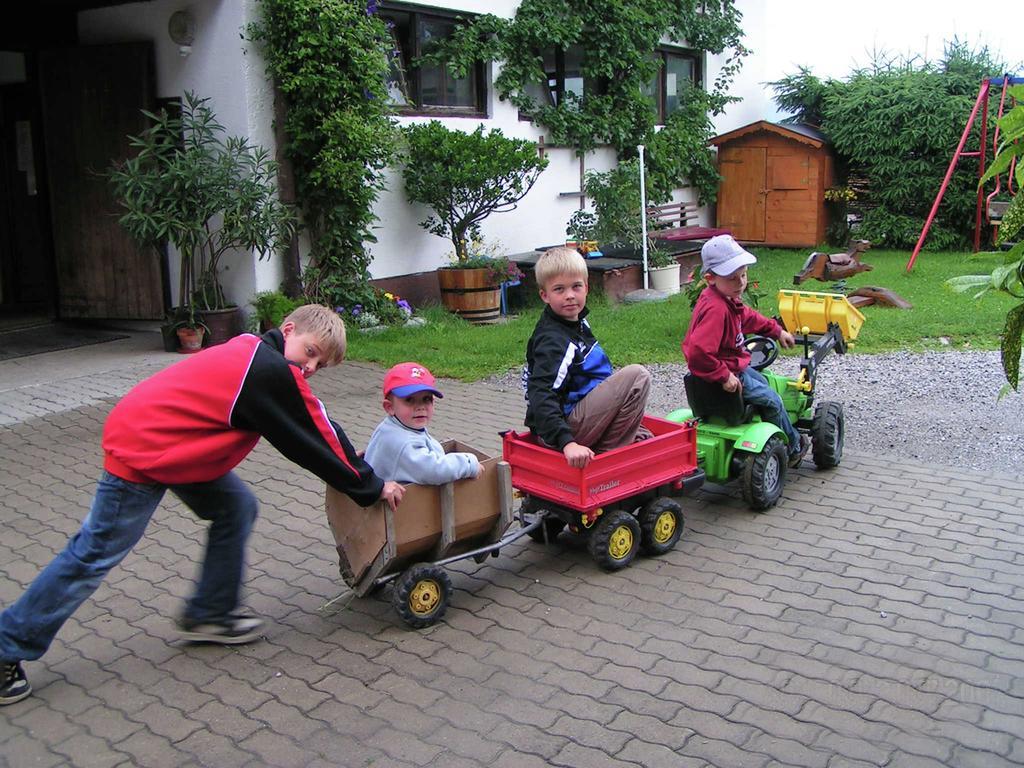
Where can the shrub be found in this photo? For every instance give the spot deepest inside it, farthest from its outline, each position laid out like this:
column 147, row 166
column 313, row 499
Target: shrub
column 465, row 177
column 895, row 125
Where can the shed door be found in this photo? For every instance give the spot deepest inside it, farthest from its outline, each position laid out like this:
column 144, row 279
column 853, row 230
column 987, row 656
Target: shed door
column 742, row 192
column 91, row 97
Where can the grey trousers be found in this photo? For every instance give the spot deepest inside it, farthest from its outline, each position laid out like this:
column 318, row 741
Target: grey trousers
column 609, row 416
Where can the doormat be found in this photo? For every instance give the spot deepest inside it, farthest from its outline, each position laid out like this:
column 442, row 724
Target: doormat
column 50, row 338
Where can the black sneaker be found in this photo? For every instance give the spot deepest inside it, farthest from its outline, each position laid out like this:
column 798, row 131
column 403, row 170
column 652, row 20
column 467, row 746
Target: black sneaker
column 798, row 455
column 14, row 686
column 235, row 629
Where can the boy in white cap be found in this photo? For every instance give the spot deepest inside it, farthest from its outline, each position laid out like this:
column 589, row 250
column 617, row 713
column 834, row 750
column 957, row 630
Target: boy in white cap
column 714, row 343
column 400, row 448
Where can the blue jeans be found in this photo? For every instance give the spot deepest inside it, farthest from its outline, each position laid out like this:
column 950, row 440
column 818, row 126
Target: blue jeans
column 119, row 515
column 757, row 391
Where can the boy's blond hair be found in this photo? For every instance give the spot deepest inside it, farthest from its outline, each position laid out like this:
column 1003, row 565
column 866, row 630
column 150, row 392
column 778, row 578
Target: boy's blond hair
column 324, row 323
column 559, row 261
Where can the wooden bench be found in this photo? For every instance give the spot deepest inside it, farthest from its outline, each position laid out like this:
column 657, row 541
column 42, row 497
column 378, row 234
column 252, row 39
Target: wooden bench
column 672, row 221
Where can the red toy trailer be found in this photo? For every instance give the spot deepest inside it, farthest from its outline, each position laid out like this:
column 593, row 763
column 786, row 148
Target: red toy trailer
column 619, row 500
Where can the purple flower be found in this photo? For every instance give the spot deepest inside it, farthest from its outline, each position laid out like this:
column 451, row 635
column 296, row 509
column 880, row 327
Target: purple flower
column 371, row 7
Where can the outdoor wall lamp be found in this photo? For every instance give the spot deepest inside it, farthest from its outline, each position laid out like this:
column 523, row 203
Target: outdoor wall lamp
column 181, row 28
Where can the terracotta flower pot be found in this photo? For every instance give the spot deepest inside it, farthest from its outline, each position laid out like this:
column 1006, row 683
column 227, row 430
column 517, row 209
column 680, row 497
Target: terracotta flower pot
column 190, row 340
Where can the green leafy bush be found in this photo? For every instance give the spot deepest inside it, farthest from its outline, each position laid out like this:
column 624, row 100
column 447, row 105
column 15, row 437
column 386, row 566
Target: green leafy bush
column 894, row 126
column 205, row 192
column 271, row 307
column 465, row 177
column 329, row 60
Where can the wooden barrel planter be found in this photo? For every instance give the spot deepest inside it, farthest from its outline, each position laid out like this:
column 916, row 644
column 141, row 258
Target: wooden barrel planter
column 470, row 294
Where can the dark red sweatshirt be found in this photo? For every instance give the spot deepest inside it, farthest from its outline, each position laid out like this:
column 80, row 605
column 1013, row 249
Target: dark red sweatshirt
column 714, row 343
column 197, row 419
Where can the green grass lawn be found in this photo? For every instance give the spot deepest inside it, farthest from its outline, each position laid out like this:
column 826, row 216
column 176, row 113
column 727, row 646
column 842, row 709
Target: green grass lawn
column 652, row 332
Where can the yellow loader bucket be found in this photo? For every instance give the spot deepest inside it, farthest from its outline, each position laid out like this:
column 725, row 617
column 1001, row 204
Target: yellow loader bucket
column 815, row 311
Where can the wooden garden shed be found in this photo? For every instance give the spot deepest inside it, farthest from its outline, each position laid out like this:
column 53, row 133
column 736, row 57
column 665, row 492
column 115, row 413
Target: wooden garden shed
column 773, row 183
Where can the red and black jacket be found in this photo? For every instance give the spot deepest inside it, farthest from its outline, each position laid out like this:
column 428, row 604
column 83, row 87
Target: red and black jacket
column 196, row 420
column 713, row 346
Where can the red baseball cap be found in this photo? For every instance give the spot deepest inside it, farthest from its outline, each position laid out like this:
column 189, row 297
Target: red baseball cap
column 406, row 379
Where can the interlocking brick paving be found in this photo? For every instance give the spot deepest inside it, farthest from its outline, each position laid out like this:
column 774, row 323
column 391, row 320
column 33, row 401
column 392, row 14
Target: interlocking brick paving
column 871, row 618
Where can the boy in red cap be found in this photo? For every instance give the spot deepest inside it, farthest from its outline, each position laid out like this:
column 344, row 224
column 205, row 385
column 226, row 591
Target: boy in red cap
column 400, row 448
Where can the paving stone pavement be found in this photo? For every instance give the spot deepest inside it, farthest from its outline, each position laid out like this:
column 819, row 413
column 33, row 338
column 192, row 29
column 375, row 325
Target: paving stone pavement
column 872, row 618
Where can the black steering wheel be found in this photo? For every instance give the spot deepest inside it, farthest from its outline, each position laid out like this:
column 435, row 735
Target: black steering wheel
column 763, row 351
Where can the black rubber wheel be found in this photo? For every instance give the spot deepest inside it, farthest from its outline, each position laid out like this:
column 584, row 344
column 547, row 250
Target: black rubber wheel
column 615, row 540
column 764, row 474
column 827, row 431
column 552, row 526
column 661, row 525
column 421, row 594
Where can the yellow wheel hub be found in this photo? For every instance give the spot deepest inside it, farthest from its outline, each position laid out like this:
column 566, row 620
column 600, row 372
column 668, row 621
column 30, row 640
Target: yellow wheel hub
column 621, row 542
column 664, row 527
column 424, row 597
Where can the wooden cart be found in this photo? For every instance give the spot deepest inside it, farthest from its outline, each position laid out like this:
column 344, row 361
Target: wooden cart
column 433, row 526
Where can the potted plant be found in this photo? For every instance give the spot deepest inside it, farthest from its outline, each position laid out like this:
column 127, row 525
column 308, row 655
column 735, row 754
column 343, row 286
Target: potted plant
column 662, row 268
column 464, row 178
column 615, row 219
column 207, row 194
column 190, row 331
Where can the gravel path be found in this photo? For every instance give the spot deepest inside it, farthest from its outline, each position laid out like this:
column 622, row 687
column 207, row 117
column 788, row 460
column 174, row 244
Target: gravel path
column 934, row 407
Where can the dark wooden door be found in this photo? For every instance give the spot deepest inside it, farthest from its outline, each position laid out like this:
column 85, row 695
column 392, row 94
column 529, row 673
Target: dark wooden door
column 91, row 97
column 25, row 256
column 741, row 198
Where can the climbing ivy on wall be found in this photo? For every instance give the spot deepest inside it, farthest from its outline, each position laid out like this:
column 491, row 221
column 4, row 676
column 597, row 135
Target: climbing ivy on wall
column 329, row 59
column 618, row 40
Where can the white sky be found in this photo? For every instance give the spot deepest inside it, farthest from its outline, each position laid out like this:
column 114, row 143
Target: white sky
column 833, row 37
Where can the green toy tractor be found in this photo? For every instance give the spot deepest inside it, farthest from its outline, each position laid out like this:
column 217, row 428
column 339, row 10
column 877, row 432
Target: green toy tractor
column 733, row 442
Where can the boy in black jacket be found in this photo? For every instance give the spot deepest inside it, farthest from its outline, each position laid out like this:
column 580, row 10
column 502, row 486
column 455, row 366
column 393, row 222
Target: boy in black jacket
column 185, row 429
column 575, row 403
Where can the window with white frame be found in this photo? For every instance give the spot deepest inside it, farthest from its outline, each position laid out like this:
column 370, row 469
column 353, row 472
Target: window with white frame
column 565, row 80
column 679, row 68
column 428, row 89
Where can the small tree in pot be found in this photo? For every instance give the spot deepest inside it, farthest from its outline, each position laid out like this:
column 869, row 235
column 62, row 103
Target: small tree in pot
column 464, row 178
column 206, row 193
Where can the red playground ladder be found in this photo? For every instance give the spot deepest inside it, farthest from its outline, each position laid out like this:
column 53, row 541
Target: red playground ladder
column 981, row 102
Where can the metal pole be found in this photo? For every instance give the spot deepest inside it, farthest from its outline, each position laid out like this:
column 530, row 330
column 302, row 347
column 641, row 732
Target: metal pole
column 982, row 95
column 980, row 192
column 643, row 212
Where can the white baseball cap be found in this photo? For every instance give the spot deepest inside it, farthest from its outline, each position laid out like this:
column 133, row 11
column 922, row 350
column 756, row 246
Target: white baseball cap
column 723, row 256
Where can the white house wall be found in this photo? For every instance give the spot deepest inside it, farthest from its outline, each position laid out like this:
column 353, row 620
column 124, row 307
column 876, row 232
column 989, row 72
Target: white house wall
column 404, row 247
column 220, row 66
column 231, row 73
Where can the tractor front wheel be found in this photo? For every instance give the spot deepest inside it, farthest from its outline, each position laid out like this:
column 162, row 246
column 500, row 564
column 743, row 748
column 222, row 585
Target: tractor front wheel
column 764, row 474
column 421, row 594
column 661, row 525
column 827, row 435
column 615, row 540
